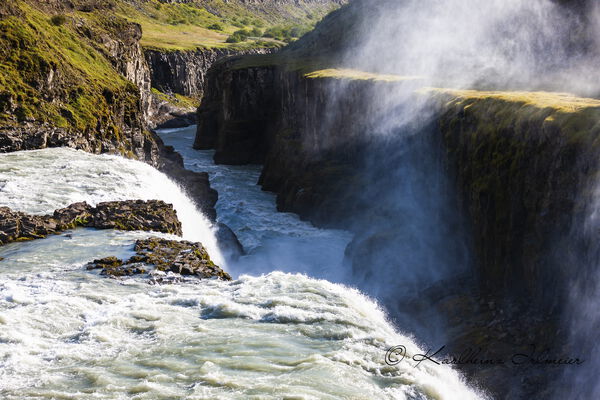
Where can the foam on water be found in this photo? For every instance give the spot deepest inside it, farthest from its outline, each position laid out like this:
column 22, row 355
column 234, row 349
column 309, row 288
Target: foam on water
column 41, row 181
column 273, row 240
column 68, row 333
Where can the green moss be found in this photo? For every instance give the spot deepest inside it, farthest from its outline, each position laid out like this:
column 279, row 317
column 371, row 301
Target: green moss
column 177, row 100
column 56, row 75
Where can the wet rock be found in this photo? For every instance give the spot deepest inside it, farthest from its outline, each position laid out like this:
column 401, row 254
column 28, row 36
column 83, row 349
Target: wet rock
column 171, row 259
column 184, row 258
column 77, row 214
column 154, row 215
column 17, row 226
column 107, row 262
column 130, row 215
column 228, row 242
column 124, row 270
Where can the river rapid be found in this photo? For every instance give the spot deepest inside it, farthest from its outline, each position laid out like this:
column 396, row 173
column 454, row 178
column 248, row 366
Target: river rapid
column 289, row 326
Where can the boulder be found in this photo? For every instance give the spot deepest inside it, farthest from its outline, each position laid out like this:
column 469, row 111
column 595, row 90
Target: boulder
column 166, row 256
column 152, row 215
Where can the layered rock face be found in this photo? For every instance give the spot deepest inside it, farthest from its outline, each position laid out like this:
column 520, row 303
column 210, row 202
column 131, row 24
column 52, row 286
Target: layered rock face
column 311, row 135
column 53, row 98
column 527, row 173
column 184, row 72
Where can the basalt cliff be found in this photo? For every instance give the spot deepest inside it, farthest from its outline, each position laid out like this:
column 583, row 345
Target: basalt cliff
column 516, row 169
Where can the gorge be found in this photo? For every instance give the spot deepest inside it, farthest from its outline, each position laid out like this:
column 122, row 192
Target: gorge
column 427, row 178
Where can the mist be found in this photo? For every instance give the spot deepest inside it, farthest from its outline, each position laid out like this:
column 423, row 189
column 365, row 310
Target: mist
column 491, row 44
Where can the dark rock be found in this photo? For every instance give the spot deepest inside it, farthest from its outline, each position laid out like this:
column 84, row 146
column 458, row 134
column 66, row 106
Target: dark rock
column 167, row 256
column 184, row 72
column 173, row 120
column 77, row 214
column 123, row 270
column 228, row 242
column 107, row 262
column 152, row 215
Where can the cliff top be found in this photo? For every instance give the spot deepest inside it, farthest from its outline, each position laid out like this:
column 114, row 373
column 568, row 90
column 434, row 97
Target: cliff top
column 563, row 102
column 343, row 73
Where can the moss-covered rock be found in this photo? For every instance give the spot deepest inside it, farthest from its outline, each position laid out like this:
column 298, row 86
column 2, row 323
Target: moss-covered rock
column 178, row 257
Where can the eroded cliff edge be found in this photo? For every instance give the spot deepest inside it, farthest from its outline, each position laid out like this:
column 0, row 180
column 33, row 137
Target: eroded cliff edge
column 518, row 169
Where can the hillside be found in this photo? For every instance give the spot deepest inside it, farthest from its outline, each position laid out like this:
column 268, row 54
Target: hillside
column 79, row 65
column 184, row 25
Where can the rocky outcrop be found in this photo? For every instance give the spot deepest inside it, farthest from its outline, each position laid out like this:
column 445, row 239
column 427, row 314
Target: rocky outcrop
column 238, row 107
column 184, row 72
column 91, row 94
column 152, row 215
column 164, row 256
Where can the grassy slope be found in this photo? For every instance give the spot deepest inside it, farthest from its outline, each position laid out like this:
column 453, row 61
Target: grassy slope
column 57, row 72
column 186, row 26
column 83, row 83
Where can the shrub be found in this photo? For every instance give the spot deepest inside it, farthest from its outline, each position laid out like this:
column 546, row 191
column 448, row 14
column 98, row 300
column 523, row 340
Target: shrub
column 256, row 32
column 58, row 20
column 216, row 27
column 239, row 36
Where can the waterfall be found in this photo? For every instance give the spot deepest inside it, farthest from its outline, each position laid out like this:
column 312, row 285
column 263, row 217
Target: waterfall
column 68, row 332
column 41, row 181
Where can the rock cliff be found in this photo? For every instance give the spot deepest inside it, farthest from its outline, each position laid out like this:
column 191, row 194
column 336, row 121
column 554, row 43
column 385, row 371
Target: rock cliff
column 81, row 81
column 184, row 72
column 516, row 172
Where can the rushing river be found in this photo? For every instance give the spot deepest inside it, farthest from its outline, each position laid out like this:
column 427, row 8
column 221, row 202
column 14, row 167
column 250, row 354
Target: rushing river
column 280, row 330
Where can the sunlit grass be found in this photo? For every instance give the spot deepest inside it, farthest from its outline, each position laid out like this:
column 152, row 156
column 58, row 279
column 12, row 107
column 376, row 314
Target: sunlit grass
column 358, row 75
column 564, row 102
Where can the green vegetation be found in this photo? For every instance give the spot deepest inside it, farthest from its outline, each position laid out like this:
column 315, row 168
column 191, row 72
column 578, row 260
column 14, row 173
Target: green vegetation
column 341, row 73
column 177, row 100
column 56, row 67
column 58, row 20
column 219, row 23
column 50, row 73
column 287, row 34
column 563, row 102
column 216, row 27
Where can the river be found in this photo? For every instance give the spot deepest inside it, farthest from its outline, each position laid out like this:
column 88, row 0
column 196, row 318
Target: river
column 286, row 327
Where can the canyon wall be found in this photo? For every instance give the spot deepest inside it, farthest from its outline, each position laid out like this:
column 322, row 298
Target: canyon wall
column 514, row 175
column 184, row 72
column 82, row 83
column 524, row 169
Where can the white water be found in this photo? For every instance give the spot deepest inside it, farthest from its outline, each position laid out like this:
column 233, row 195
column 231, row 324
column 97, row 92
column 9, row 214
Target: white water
column 273, row 240
column 66, row 333
column 41, row 181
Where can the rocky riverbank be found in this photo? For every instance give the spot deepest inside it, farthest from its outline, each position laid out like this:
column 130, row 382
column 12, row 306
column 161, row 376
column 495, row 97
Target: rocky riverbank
column 152, row 215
